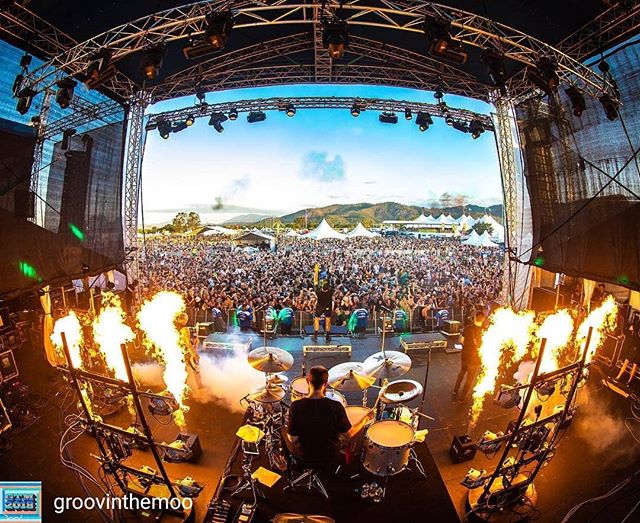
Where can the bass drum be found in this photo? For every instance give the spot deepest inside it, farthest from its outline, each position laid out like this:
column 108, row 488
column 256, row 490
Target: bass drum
column 387, row 447
column 300, row 389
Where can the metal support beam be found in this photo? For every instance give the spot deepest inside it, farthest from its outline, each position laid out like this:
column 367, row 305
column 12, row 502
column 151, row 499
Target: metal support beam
column 323, row 61
column 132, row 174
column 38, row 151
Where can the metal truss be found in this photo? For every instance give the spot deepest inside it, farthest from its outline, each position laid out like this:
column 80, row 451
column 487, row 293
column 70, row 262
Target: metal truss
column 320, row 102
column 132, row 174
column 83, row 113
column 25, row 26
column 188, row 21
column 423, row 72
column 619, row 22
column 38, row 151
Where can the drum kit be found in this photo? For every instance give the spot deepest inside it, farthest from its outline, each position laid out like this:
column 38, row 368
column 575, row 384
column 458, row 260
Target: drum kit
column 385, row 442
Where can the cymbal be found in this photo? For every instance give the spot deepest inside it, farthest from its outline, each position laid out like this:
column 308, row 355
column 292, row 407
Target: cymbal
column 277, row 379
column 270, row 359
column 267, row 394
column 391, row 364
column 401, row 391
column 349, row 377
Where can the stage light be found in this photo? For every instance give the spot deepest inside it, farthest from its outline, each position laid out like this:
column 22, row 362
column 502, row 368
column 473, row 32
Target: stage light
column 190, row 120
column 438, row 94
column 25, row 97
column 440, row 42
column 449, row 120
column 99, row 70
column 152, row 61
column 218, row 29
column 200, row 94
column 388, row 117
column 17, row 83
column 576, row 98
column 476, row 128
column 179, row 126
column 164, row 128
column 64, row 95
column 407, row 114
column 335, row 36
column 151, row 126
column 507, row 398
column 494, row 62
column 544, row 75
column 355, row 110
column 216, row 120
column 423, row 121
column 256, row 116
column 610, row 106
column 460, row 126
column 291, row 110
column 233, row 114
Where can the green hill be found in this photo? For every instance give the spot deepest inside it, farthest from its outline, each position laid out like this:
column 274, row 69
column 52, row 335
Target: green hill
column 370, row 214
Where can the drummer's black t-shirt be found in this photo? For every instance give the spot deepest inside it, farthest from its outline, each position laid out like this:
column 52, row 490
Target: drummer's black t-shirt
column 317, row 423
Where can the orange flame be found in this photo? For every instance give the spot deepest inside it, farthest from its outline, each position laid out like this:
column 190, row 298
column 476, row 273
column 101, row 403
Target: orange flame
column 557, row 329
column 110, row 331
column 70, row 325
column 507, row 329
column 602, row 319
column 156, row 318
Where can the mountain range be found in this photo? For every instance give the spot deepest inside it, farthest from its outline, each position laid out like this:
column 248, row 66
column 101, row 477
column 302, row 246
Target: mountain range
column 367, row 213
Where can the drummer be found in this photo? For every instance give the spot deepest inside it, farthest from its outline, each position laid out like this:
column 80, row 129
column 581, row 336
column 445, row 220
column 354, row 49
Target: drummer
column 317, row 423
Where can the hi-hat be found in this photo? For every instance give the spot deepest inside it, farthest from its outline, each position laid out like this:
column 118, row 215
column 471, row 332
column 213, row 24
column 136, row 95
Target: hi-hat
column 401, row 391
column 269, row 394
column 270, row 359
column 277, row 379
column 349, row 377
column 390, row 364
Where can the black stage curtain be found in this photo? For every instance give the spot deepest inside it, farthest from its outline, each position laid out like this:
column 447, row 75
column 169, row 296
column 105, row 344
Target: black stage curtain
column 79, row 230
column 584, row 181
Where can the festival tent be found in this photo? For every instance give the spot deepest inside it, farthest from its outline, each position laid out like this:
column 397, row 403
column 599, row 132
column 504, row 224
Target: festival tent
column 360, row 231
column 324, row 231
column 422, row 219
column 465, row 222
column 253, row 238
column 479, row 240
column 292, row 234
column 497, row 233
column 472, row 239
column 213, row 230
column 485, row 240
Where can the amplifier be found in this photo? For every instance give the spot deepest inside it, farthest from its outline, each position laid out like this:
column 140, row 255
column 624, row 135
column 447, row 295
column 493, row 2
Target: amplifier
column 462, row 448
column 204, row 329
column 408, row 343
column 451, row 327
column 8, row 367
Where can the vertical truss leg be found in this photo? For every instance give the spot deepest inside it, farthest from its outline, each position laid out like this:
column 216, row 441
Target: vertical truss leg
column 132, row 173
column 323, row 62
column 38, row 151
column 506, row 157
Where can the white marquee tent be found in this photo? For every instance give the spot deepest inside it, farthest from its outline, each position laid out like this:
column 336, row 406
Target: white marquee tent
column 213, row 230
column 324, row 231
column 360, row 231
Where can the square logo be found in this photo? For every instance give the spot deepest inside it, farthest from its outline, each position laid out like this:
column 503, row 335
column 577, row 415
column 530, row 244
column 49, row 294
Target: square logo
column 20, row 501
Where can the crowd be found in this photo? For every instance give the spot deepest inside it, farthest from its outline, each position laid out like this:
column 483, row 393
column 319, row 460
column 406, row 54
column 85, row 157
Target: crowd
column 416, row 275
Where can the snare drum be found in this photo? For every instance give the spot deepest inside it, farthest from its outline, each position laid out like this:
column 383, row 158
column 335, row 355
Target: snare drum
column 300, row 389
column 387, row 447
column 356, row 413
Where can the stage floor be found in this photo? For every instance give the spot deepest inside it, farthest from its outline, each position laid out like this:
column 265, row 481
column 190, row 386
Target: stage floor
column 596, row 453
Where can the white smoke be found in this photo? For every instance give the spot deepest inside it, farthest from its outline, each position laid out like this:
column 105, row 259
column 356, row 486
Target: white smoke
column 148, row 375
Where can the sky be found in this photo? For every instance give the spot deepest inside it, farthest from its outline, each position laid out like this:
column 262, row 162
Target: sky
column 318, row 157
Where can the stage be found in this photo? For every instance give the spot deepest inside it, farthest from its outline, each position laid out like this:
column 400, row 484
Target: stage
column 586, row 451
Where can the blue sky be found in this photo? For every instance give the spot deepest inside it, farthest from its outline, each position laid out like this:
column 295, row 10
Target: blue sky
column 317, row 158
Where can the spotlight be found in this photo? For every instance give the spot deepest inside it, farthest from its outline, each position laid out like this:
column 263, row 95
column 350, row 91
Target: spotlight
column 388, row 117
column 152, row 61
column 423, row 121
column 216, row 120
column 335, row 36
column 25, row 97
column 545, row 76
column 151, row 126
column 17, row 83
column 256, row 116
column 440, row 42
column 218, row 29
column 25, row 61
column 494, row 62
column 610, row 106
column 449, row 120
column 578, row 103
column 476, row 128
column 99, row 70
column 163, row 404
column 64, row 95
column 438, row 94
column 200, row 94
column 407, row 114
column 164, row 128
column 507, row 398
column 355, row 110
column 460, row 126
column 604, row 67
column 233, row 114
column 190, row 120
column 291, row 110
column 179, row 126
